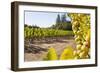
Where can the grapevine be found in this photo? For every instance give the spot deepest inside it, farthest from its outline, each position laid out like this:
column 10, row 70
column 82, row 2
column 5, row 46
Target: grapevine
column 43, row 33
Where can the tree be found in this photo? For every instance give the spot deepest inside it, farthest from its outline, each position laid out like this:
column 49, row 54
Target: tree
column 66, row 25
column 58, row 19
column 63, row 18
column 62, row 23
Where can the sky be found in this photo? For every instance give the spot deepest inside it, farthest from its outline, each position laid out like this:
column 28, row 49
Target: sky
column 42, row 19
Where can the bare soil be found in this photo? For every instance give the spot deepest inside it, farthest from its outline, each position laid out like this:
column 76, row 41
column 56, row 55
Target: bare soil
column 35, row 50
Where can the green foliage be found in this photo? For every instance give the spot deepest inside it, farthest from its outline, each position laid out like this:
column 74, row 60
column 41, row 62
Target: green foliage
column 43, row 32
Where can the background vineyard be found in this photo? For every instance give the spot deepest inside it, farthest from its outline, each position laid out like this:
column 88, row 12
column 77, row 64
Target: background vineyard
column 44, row 32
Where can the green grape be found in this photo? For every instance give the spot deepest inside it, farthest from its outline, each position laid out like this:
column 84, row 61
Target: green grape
column 83, row 54
column 85, row 43
column 79, row 46
column 77, row 38
column 79, row 42
column 79, row 51
column 76, row 57
column 81, row 28
column 84, row 48
column 79, row 32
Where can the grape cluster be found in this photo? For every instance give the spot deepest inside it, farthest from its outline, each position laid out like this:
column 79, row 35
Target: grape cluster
column 81, row 29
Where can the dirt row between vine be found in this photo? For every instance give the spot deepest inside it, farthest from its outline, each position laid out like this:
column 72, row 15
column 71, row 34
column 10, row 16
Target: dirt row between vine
column 40, row 50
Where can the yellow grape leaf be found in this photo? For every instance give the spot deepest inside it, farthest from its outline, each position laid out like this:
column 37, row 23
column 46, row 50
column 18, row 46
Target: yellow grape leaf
column 52, row 55
column 67, row 54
